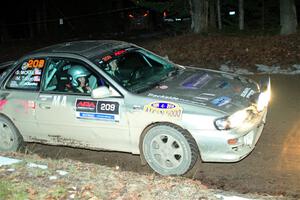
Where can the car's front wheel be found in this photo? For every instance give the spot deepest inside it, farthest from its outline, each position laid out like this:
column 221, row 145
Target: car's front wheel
column 169, row 150
column 10, row 138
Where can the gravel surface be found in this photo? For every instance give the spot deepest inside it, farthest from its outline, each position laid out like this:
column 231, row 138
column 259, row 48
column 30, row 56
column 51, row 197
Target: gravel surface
column 38, row 178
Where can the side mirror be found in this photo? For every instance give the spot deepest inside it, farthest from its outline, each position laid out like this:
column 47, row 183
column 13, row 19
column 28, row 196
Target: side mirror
column 100, row 92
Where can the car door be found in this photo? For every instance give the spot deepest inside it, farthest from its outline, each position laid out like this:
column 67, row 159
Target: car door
column 19, row 95
column 69, row 117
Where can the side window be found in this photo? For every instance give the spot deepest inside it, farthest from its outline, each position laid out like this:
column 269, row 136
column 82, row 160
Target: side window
column 71, row 76
column 28, row 75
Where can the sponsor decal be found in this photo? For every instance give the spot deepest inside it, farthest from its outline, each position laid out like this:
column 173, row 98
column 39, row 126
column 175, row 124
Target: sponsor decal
column 37, row 71
column 247, row 93
column 164, row 97
column 164, row 108
column 44, row 97
column 3, row 100
column 100, row 110
column 96, row 116
column 163, row 87
column 107, row 58
column 204, row 97
column 31, row 84
column 86, row 105
column 59, row 101
column 171, row 98
column 196, row 81
column 120, row 52
column 223, row 84
column 24, row 106
column 221, row 101
column 108, row 107
column 36, row 78
column 36, row 63
column 2, row 103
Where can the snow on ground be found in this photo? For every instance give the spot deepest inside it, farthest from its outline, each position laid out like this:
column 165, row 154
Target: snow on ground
column 262, row 69
column 42, row 181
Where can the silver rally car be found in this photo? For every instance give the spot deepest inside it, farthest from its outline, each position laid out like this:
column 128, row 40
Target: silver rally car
column 117, row 96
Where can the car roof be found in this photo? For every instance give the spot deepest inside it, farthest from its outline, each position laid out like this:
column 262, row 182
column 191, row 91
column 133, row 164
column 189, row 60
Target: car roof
column 86, row 48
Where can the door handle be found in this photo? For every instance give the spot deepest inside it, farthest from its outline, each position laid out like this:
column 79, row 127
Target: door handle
column 44, row 106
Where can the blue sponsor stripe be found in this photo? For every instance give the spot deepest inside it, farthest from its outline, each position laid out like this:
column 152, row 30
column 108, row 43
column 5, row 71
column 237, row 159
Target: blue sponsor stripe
column 97, row 116
column 221, row 101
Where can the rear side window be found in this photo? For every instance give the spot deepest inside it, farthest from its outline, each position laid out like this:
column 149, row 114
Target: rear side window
column 28, row 75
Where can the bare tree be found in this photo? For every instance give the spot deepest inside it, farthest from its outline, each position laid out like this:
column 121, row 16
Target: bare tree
column 212, row 14
column 288, row 17
column 3, row 31
column 219, row 15
column 199, row 15
column 241, row 15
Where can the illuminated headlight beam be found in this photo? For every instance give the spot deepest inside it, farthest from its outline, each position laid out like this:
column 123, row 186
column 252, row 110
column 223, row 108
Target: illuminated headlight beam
column 264, row 98
column 232, row 121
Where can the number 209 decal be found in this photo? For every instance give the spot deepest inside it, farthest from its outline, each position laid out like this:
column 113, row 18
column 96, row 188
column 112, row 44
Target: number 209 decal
column 100, row 110
column 108, row 107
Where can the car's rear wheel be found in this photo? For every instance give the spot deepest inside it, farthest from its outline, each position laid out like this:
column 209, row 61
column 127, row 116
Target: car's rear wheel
column 169, row 150
column 10, row 138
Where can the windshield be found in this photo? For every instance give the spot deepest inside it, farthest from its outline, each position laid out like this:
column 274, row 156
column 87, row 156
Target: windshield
column 135, row 69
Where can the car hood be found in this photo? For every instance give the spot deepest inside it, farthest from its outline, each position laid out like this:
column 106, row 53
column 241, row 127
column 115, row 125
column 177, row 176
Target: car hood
column 216, row 90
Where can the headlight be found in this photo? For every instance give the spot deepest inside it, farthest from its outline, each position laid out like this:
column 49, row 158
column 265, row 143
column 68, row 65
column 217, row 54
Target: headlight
column 232, row 121
column 264, row 98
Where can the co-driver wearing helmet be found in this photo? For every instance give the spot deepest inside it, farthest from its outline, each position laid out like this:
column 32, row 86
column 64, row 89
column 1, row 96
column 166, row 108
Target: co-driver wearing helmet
column 79, row 79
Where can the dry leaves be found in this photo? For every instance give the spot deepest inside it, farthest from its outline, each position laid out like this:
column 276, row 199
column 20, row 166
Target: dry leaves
column 242, row 51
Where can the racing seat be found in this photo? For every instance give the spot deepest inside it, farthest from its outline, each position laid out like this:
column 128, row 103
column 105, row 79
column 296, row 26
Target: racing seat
column 63, row 82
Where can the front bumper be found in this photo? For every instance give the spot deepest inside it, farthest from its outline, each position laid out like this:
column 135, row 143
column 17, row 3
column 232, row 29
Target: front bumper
column 214, row 145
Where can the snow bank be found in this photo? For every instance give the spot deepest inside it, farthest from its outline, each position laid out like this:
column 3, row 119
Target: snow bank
column 8, row 161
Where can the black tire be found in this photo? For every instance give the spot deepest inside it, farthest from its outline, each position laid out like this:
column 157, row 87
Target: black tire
column 10, row 138
column 169, row 149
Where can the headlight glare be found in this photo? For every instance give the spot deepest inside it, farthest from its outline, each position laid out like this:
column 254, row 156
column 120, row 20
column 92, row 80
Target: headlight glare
column 222, row 123
column 232, row 121
column 264, row 98
column 238, row 118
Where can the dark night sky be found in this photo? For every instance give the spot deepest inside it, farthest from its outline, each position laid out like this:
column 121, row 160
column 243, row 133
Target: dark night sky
column 55, row 8
column 78, row 15
column 87, row 17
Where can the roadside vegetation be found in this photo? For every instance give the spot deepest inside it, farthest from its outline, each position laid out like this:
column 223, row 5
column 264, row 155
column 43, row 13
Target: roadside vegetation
column 48, row 179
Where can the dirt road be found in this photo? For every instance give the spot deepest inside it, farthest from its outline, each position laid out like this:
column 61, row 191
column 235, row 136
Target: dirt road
column 273, row 167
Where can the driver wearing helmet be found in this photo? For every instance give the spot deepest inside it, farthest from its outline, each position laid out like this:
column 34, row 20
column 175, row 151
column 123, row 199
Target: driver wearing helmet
column 79, row 79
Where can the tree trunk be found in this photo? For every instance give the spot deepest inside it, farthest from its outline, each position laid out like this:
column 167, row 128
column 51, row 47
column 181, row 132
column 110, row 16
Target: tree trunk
column 288, row 17
column 241, row 15
column 30, row 23
column 4, row 33
column 263, row 15
column 199, row 14
column 212, row 14
column 38, row 19
column 219, row 15
column 45, row 16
